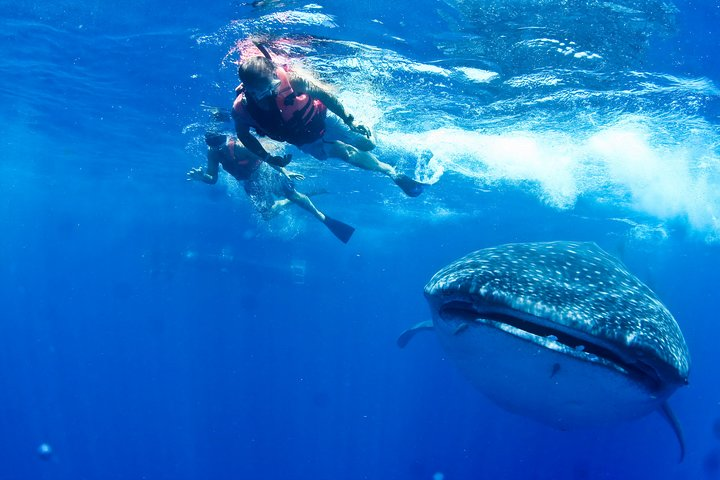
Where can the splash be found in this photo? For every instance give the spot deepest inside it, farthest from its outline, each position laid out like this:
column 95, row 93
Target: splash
column 625, row 164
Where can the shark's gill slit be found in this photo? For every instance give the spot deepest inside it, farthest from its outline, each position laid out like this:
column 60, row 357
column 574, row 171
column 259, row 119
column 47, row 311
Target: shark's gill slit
column 465, row 311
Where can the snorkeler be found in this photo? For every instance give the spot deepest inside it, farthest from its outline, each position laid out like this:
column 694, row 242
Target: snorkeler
column 287, row 107
column 268, row 189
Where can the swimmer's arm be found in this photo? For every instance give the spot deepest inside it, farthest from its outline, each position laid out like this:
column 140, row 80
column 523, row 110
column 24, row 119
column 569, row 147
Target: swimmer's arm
column 249, row 141
column 303, row 85
column 253, row 144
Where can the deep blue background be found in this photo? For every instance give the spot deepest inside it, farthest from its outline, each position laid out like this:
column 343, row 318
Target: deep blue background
column 153, row 328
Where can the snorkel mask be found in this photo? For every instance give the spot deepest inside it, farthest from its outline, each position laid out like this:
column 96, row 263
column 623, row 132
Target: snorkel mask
column 262, row 94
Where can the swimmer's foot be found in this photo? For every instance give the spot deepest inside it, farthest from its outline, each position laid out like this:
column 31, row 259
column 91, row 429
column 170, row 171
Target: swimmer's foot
column 412, row 188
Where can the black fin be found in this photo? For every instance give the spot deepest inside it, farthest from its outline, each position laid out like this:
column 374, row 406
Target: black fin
column 677, row 428
column 341, row 230
column 405, row 336
column 412, row 188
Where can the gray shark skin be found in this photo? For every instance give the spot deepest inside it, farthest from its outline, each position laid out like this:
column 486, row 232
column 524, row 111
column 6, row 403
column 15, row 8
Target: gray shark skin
column 560, row 332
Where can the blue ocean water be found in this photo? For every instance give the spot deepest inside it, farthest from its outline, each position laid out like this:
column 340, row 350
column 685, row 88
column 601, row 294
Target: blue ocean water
column 154, row 328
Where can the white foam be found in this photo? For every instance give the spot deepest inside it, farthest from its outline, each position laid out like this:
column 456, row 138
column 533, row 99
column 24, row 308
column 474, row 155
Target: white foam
column 662, row 180
column 516, row 157
column 478, row 75
column 628, row 164
column 297, row 17
column 425, row 68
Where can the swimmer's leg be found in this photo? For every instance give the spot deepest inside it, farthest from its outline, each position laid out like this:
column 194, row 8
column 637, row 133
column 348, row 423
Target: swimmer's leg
column 368, row 161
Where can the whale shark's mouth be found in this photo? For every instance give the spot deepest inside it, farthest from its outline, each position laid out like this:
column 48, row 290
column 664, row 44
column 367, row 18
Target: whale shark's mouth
column 549, row 334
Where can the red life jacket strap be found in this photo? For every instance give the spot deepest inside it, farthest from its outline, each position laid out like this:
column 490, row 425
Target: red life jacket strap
column 285, row 93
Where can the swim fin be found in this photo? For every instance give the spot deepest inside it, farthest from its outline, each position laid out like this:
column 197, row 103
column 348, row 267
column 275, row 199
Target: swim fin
column 341, row 230
column 412, row 188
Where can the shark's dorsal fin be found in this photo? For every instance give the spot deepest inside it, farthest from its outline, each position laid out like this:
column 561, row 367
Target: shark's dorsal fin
column 405, row 336
column 675, row 424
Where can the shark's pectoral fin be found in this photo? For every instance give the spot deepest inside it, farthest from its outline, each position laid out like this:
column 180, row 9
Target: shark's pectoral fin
column 405, row 336
column 675, row 424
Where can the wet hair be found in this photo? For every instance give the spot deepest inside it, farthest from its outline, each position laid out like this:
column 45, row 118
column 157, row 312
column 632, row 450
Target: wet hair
column 215, row 139
column 256, row 70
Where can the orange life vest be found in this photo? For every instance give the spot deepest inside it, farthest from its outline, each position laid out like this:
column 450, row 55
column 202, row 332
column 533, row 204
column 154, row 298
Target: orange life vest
column 241, row 167
column 297, row 119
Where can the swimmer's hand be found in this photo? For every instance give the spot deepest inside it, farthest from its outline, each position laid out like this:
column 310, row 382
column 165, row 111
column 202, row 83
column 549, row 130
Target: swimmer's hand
column 196, row 174
column 294, row 175
column 361, row 129
column 200, row 174
column 288, row 174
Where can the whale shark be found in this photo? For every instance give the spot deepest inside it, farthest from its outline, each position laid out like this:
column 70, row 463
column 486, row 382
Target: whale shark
column 559, row 332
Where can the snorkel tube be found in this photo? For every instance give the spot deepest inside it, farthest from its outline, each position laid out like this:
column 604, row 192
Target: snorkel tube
column 263, row 50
